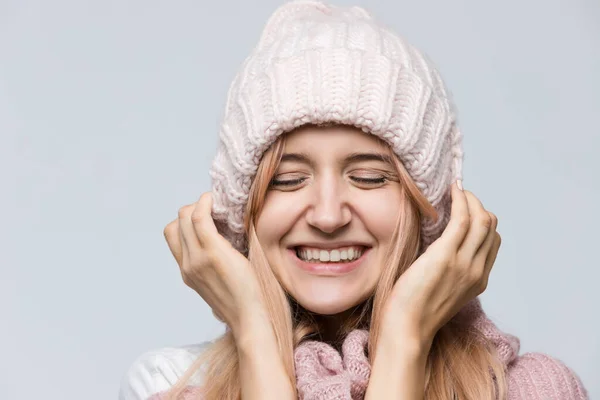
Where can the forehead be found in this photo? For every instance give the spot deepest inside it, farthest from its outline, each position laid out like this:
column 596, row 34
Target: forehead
column 332, row 139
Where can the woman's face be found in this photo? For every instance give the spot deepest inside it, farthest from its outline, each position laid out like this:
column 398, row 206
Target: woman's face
column 329, row 216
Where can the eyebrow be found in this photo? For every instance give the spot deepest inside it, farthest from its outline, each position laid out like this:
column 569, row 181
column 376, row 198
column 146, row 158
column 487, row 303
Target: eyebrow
column 296, row 157
column 357, row 157
column 353, row 157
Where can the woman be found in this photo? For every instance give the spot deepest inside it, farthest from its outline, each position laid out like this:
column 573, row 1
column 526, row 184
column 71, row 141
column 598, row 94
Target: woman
column 337, row 243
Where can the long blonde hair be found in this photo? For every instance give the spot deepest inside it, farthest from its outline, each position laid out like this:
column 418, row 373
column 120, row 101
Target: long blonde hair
column 462, row 363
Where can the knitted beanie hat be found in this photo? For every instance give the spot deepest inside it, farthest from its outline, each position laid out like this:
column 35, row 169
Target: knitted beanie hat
column 317, row 63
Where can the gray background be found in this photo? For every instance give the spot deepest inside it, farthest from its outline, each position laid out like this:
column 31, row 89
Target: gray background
column 108, row 120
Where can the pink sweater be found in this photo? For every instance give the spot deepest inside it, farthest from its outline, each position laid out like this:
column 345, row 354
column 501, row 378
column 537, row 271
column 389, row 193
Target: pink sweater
column 324, row 374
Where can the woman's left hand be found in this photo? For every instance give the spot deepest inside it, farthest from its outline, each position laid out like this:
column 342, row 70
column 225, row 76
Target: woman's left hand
column 452, row 271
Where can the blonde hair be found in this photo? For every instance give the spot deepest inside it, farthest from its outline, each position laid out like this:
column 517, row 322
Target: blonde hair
column 462, row 363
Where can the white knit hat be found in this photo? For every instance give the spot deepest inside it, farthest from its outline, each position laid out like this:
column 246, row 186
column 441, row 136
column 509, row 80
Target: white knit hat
column 319, row 63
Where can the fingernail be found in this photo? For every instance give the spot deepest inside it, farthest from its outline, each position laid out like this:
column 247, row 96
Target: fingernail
column 459, row 184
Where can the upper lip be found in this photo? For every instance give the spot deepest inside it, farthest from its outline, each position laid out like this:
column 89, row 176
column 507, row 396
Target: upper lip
column 330, row 245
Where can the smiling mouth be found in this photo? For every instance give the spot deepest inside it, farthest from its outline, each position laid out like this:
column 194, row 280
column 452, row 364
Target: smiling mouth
column 331, row 268
column 340, row 255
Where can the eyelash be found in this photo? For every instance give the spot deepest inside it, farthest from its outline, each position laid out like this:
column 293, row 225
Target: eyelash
column 293, row 182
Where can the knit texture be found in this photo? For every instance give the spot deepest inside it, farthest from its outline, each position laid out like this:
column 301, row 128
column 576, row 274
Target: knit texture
column 318, row 63
column 324, row 374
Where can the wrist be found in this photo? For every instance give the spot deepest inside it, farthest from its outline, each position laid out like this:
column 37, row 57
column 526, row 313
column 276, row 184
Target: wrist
column 263, row 373
column 407, row 329
column 254, row 328
column 402, row 346
column 398, row 369
column 405, row 341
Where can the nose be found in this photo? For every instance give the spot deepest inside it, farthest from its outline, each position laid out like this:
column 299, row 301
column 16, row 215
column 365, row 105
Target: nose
column 329, row 210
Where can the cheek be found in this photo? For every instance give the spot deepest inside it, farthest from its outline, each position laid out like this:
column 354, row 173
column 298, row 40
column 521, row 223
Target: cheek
column 379, row 212
column 277, row 217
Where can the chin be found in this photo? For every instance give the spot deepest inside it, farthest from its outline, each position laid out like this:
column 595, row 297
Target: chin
column 326, row 304
column 322, row 308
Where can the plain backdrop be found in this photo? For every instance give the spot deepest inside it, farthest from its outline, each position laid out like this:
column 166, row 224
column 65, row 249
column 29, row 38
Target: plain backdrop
column 109, row 113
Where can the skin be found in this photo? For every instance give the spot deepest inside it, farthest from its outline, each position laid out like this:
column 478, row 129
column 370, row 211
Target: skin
column 326, row 198
column 453, row 270
column 327, row 206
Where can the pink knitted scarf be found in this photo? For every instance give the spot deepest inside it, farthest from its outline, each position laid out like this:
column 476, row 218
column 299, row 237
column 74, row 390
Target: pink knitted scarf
column 323, row 373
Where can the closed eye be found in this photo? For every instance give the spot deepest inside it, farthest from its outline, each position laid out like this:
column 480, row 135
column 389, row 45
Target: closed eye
column 287, row 182
column 298, row 181
column 378, row 180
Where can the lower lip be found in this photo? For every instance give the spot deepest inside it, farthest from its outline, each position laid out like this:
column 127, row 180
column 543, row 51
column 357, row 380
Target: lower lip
column 338, row 268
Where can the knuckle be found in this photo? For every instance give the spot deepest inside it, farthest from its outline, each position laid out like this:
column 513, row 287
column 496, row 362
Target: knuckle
column 188, row 272
column 185, row 269
column 204, row 196
column 170, row 228
column 464, row 221
column 485, row 220
column 483, row 284
column 196, row 217
column 493, row 220
column 184, row 211
column 475, row 276
column 186, row 279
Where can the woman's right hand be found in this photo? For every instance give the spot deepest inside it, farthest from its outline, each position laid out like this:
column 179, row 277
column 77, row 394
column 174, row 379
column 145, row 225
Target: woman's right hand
column 212, row 267
column 225, row 279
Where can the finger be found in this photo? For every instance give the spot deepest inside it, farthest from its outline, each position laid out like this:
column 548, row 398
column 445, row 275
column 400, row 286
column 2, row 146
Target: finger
column 203, row 223
column 484, row 250
column 189, row 241
column 458, row 225
column 171, row 233
column 481, row 223
column 491, row 257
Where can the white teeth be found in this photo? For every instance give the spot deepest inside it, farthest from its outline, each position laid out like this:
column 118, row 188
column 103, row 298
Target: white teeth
column 336, row 255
